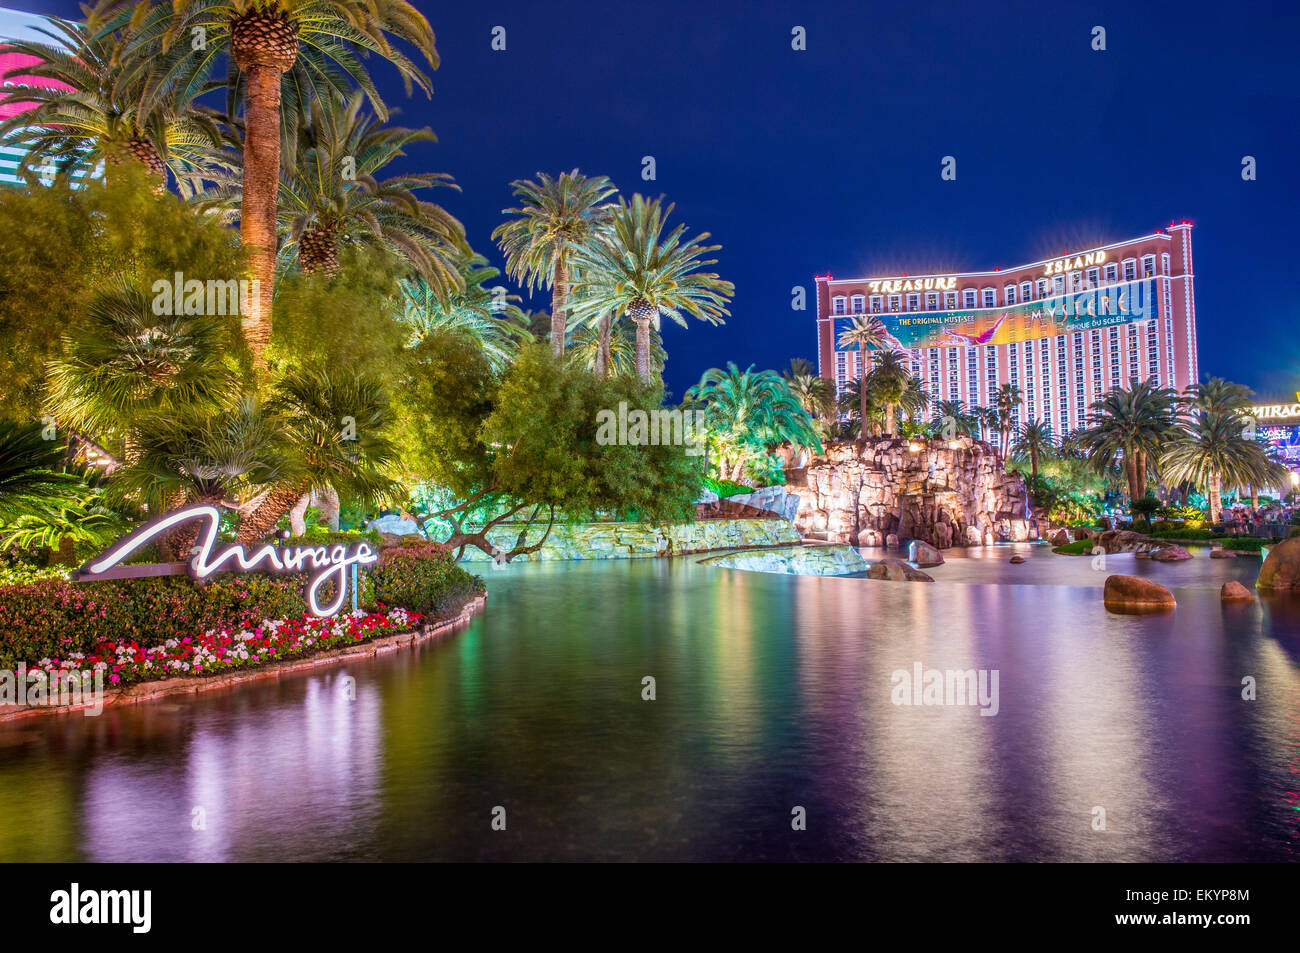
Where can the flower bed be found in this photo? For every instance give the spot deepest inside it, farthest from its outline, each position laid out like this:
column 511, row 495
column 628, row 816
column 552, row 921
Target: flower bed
column 221, row 650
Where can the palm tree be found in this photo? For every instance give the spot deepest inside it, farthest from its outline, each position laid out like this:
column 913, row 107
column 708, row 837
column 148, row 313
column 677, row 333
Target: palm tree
column 331, row 193
column 336, row 425
column 1135, row 424
column 308, row 47
column 812, row 391
column 1034, row 439
column 191, row 455
column 488, row 315
column 102, row 98
column 1215, row 448
column 889, row 381
column 952, row 413
column 124, row 361
column 631, row 268
column 857, row 395
column 615, row 354
column 747, row 410
column 866, row 334
column 33, row 478
column 555, row 219
column 1007, row 400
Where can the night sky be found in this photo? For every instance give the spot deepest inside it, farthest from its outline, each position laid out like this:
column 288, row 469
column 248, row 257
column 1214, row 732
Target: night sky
column 828, row 160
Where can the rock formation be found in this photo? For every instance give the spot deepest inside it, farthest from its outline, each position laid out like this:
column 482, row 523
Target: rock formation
column 944, row 493
column 1281, row 570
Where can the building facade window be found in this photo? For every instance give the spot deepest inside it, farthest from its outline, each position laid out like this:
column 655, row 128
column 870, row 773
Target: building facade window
column 838, row 305
column 859, row 304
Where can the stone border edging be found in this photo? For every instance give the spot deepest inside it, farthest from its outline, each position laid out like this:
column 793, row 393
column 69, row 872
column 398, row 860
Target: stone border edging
column 186, row 685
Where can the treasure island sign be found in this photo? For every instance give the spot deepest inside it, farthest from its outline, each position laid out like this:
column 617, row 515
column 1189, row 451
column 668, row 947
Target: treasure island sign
column 322, row 563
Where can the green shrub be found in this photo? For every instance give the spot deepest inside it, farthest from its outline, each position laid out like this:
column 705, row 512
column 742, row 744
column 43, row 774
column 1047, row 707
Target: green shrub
column 52, row 616
column 49, row 618
column 726, row 488
column 421, row 575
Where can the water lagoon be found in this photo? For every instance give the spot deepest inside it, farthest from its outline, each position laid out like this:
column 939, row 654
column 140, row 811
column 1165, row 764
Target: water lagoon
column 772, row 692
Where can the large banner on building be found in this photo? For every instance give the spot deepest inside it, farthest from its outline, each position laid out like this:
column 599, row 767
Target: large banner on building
column 1085, row 311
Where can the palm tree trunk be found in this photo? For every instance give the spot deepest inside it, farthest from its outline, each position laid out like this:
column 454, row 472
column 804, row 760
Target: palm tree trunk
column 1254, row 498
column 862, row 402
column 1033, row 460
column 643, row 349
column 328, row 499
column 261, row 190
column 602, row 352
column 1214, row 493
column 298, row 515
column 559, row 305
column 889, row 420
column 1130, row 471
column 1141, row 473
column 260, row 523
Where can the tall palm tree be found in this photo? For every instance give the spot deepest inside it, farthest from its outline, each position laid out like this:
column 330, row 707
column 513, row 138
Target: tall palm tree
column 331, row 193
column 1215, row 448
column 308, row 47
column 748, row 410
column 101, row 98
column 124, row 361
column 889, row 381
column 856, row 396
column 866, row 333
column 631, row 268
column 336, row 424
column 1135, row 424
column 488, row 315
column 1005, row 403
column 1034, row 439
column 555, row 218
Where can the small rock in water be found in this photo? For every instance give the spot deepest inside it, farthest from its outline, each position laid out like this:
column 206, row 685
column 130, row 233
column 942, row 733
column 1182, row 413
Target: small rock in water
column 1235, row 592
column 1135, row 594
column 1223, row 554
column 1017, row 559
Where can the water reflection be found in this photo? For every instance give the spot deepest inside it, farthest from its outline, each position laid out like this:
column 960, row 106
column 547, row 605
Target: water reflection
column 772, row 692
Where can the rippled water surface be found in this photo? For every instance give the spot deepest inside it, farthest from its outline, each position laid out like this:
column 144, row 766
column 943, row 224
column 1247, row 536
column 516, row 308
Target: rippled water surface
column 772, row 692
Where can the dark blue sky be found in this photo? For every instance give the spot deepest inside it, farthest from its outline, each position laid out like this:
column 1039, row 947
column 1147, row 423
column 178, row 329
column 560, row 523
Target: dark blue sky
column 828, row 160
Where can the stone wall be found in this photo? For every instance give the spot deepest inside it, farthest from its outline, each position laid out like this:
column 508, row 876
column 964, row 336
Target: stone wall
column 630, row 540
column 946, row 493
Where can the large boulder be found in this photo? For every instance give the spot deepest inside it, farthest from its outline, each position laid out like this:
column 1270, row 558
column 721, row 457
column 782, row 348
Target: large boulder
column 895, row 570
column 923, row 554
column 1235, row 592
column 1170, row 554
column 1016, row 560
column 774, row 499
column 870, row 537
column 891, row 541
column 1135, row 594
column 1281, row 570
column 1061, row 537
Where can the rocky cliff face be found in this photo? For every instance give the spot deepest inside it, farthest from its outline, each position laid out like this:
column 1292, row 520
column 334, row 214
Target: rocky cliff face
column 947, row 493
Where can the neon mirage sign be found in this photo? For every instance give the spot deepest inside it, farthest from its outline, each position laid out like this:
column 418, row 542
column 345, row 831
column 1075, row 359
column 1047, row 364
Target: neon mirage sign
column 324, row 563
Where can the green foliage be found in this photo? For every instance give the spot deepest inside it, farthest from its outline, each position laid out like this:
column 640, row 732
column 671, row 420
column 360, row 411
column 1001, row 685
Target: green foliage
column 529, row 435
column 1080, row 547
column 346, row 320
column 726, row 488
column 62, row 245
column 52, row 617
column 1180, row 513
column 422, row 576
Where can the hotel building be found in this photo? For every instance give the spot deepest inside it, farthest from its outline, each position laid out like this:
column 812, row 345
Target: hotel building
column 1064, row 330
